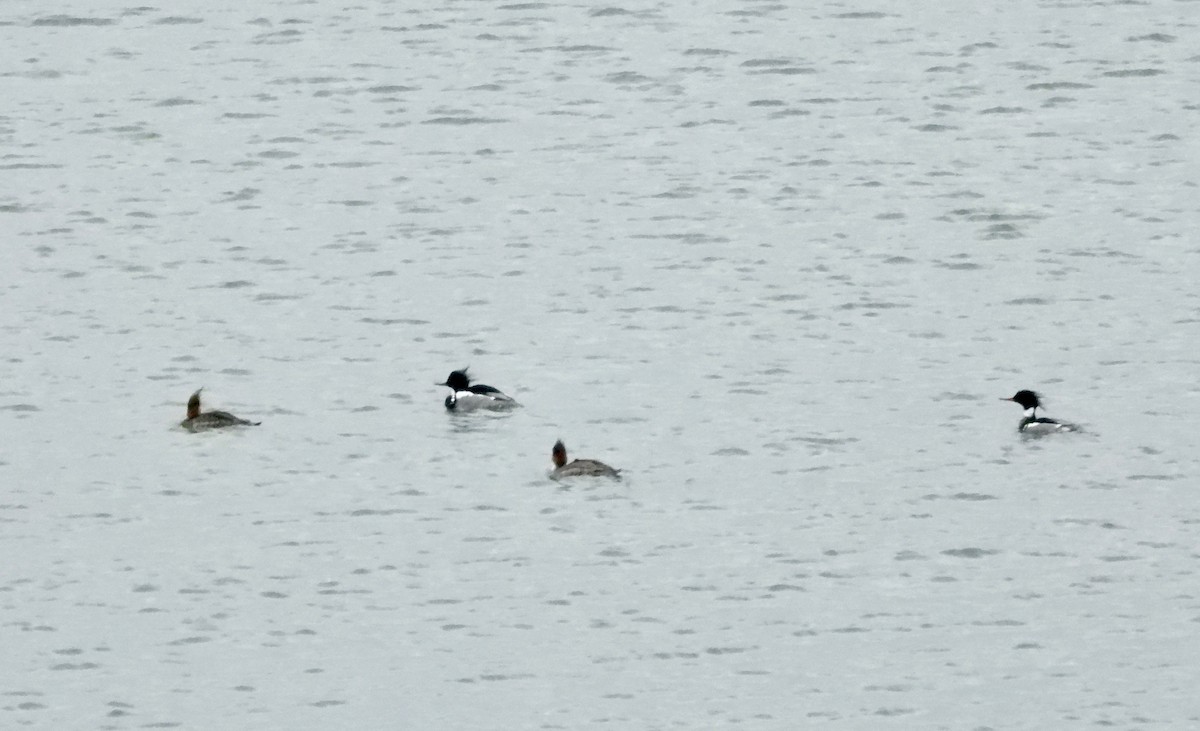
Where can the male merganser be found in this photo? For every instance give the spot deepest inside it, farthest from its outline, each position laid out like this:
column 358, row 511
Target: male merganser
column 197, row 421
column 578, row 467
column 467, row 396
column 1032, row 423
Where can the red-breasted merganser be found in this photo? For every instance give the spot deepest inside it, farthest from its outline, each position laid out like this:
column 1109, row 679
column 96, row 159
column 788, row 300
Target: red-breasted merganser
column 197, row 421
column 1032, row 423
column 578, row 467
column 467, row 396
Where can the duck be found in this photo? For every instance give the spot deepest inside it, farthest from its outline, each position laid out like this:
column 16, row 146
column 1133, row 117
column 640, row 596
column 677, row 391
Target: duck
column 197, row 421
column 1032, row 424
column 466, row 396
column 578, row 467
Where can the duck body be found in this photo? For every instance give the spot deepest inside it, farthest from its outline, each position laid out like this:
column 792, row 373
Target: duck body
column 466, row 396
column 1041, row 425
column 202, row 421
column 578, row 467
column 1032, row 424
column 216, row 420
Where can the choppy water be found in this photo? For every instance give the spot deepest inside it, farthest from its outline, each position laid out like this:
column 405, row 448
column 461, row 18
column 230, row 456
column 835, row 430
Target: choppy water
column 777, row 261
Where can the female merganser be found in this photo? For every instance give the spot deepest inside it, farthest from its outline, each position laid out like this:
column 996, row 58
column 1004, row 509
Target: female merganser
column 196, row 421
column 578, row 467
column 467, row 396
column 1032, row 423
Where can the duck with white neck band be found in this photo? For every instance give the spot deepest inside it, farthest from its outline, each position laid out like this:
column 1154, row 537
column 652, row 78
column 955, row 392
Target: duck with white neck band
column 1032, row 424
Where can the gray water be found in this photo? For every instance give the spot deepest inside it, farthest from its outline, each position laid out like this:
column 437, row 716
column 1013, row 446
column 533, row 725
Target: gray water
column 778, row 262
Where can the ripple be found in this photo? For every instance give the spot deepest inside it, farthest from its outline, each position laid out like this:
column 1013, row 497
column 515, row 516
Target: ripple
column 62, row 21
column 1133, row 73
column 970, row 552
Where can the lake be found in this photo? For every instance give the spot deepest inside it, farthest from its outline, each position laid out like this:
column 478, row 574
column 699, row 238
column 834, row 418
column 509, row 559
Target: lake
column 777, row 262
